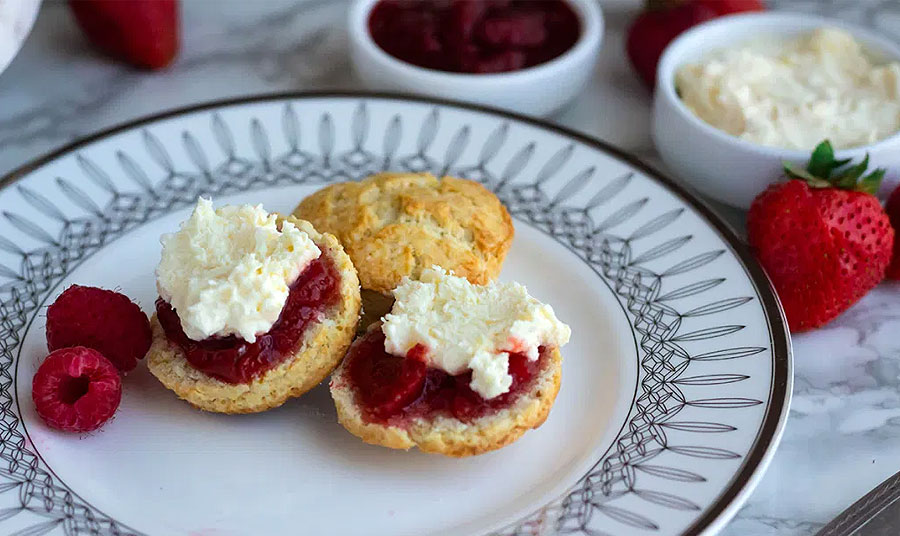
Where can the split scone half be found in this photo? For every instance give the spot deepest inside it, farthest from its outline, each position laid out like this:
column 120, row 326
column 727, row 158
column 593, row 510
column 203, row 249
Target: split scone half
column 455, row 368
column 394, row 225
column 254, row 309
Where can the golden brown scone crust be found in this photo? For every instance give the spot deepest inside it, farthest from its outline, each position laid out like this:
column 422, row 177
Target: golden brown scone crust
column 396, row 224
column 449, row 436
column 324, row 345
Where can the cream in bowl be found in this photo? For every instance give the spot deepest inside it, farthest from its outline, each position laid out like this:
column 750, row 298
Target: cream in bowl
column 739, row 95
column 795, row 92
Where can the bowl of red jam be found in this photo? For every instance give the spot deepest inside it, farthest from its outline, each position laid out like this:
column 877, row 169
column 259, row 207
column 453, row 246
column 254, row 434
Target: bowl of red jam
column 528, row 56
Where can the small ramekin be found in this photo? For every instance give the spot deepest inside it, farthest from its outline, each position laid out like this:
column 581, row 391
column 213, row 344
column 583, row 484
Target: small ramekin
column 16, row 20
column 538, row 90
column 723, row 166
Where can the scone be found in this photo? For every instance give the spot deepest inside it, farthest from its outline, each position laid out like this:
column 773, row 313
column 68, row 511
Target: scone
column 397, row 224
column 253, row 309
column 455, row 368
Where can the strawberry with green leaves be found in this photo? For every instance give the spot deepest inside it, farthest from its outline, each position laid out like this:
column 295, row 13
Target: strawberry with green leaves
column 822, row 237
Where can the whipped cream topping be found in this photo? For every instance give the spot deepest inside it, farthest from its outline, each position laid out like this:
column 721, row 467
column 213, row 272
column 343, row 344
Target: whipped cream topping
column 794, row 93
column 228, row 271
column 465, row 326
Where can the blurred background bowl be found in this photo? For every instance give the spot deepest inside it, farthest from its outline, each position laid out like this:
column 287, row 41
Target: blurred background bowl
column 725, row 167
column 538, row 90
column 16, row 20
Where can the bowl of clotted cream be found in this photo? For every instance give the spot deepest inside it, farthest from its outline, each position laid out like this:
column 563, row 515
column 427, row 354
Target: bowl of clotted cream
column 739, row 96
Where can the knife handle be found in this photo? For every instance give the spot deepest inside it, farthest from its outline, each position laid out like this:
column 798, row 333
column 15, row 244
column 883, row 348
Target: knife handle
column 865, row 509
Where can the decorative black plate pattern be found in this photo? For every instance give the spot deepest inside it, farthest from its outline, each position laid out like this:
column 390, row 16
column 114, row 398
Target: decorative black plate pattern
column 587, row 230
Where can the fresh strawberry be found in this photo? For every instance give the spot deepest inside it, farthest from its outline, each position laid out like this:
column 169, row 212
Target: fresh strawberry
column 100, row 319
column 822, row 237
column 663, row 20
column 893, row 211
column 143, row 33
column 76, row 389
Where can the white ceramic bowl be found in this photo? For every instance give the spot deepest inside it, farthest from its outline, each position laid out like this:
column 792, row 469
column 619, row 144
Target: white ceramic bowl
column 723, row 166
column 538, row 90
column 16, row 19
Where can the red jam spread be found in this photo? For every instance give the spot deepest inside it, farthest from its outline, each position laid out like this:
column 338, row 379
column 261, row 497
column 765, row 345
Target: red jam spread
column 234, row 360
column 392, row 389
column 474, row 36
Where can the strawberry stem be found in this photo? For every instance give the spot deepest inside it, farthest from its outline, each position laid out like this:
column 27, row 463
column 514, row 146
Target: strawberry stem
column 824, row 171
column 822, row 159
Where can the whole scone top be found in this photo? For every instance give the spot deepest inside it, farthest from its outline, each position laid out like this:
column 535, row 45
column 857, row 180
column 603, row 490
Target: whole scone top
column 397, row 224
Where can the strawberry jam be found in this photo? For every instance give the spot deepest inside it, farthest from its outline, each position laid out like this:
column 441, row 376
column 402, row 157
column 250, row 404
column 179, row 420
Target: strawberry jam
column 234, row 360
column 392, row 389
column 474, row 36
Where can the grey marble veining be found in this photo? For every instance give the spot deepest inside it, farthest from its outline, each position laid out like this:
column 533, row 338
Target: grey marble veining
column 843, row 436
column 57, row 89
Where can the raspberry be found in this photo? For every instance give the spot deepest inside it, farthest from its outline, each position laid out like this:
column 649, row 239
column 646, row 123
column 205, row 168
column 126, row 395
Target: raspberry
column 386, row 383
column 462, row 17
column 524, row 29
column 100, row 319
column 395, row 382
column 520, row 368
column 418, row 353
column 476, row 36
column 76, row 389
column 466, row 405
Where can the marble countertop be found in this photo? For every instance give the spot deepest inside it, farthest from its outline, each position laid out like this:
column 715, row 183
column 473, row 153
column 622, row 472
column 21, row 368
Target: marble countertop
column 843, row 436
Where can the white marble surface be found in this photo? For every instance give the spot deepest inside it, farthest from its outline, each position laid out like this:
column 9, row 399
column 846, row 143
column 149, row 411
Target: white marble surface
column 843, row 436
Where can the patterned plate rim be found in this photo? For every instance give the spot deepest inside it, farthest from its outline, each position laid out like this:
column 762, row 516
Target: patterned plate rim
column 726, row 505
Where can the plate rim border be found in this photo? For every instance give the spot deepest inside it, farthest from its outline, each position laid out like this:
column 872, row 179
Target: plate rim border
column 761, row 452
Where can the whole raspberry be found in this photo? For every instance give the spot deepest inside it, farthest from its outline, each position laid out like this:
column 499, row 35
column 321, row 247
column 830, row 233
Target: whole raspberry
column 76, row 389
column 100, row 319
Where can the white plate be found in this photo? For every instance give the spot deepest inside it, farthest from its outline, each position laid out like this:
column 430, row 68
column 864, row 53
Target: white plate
column 675, row 385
